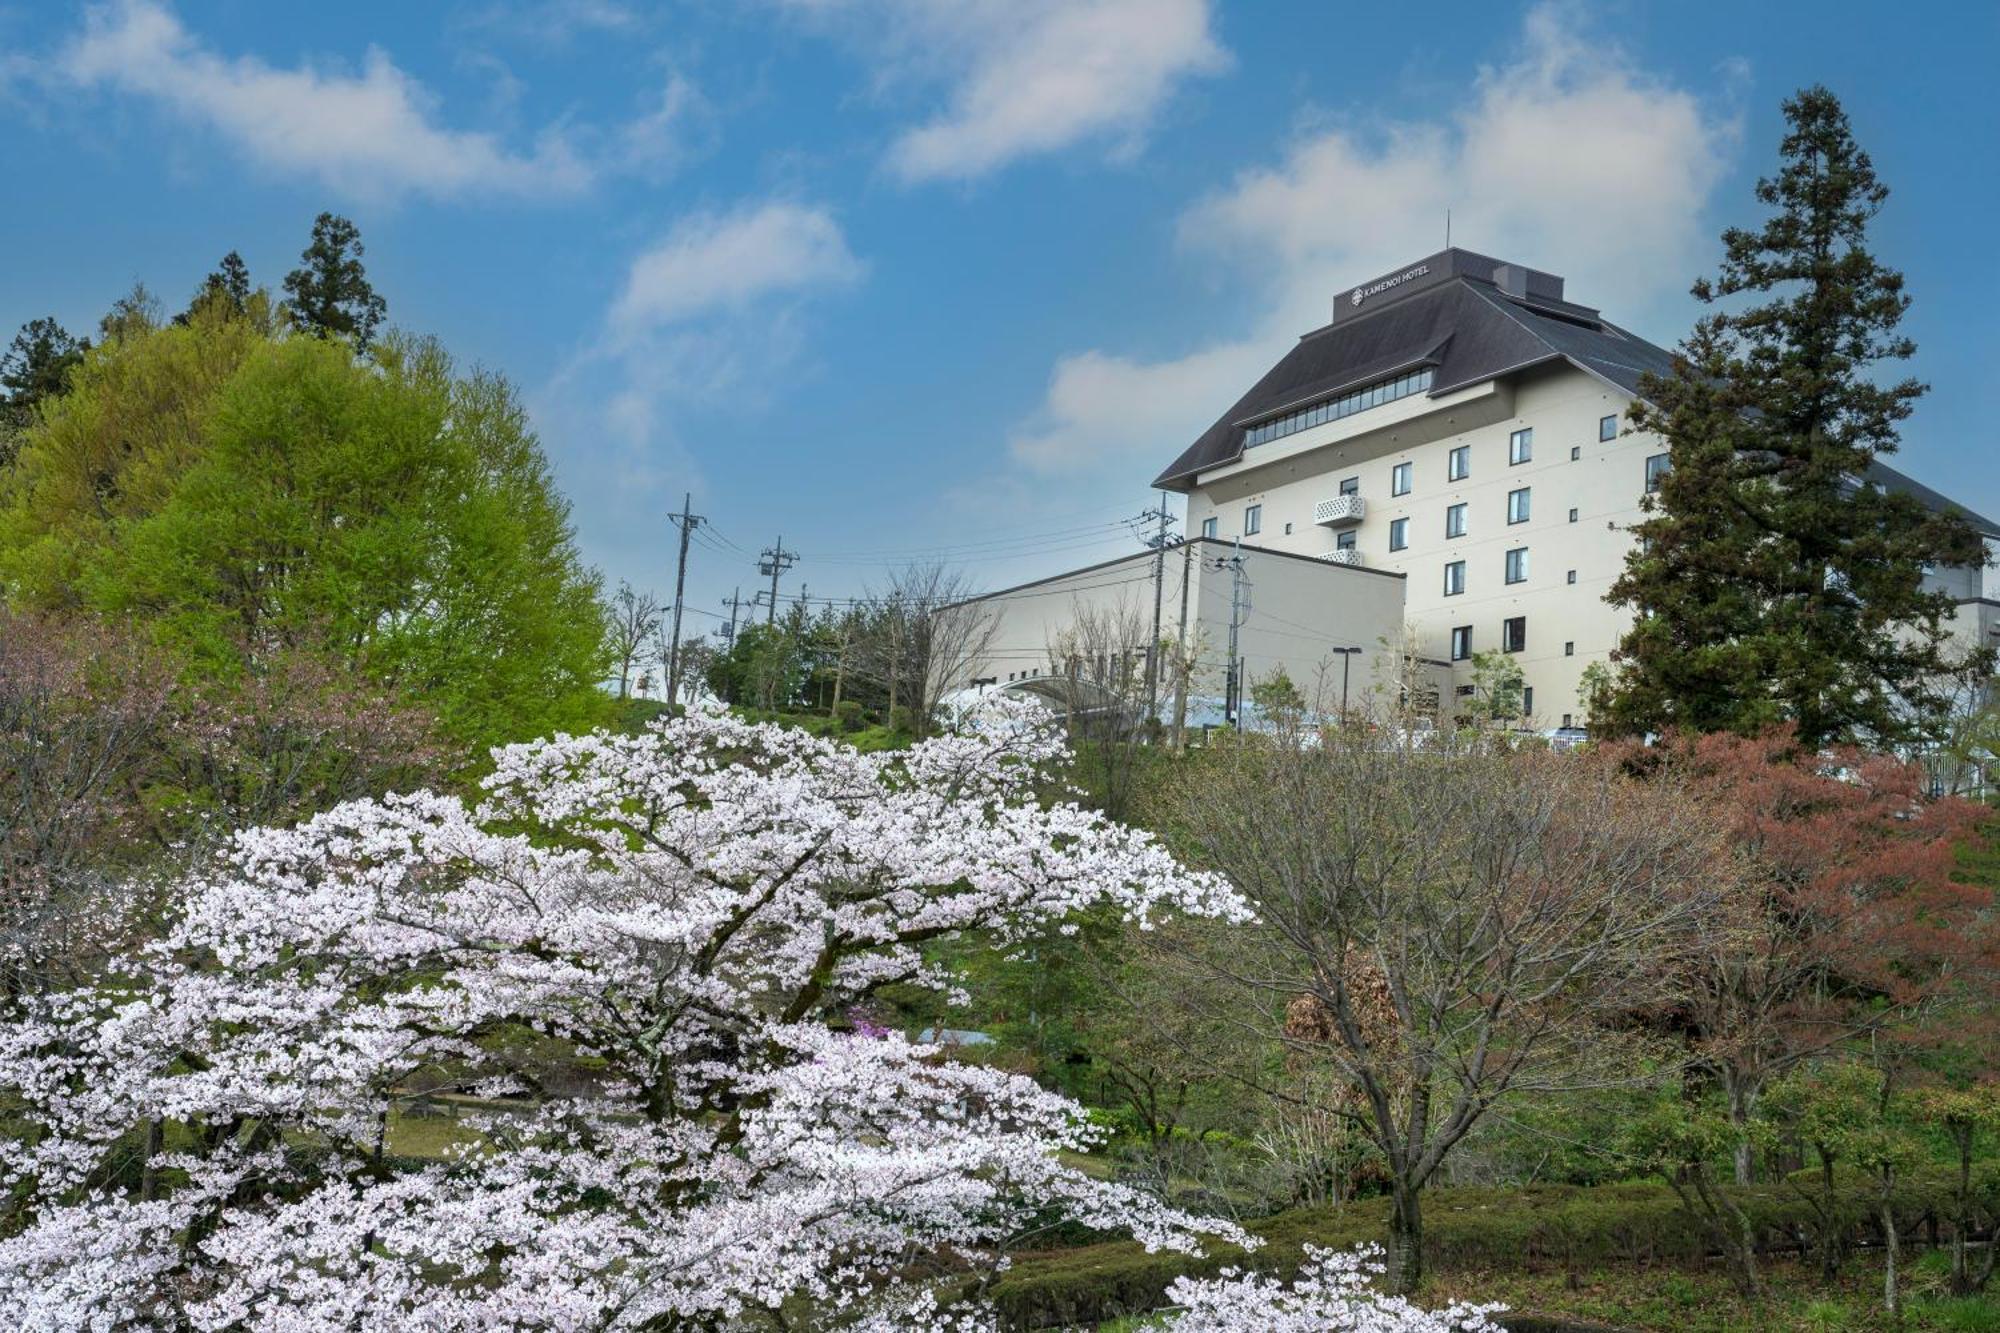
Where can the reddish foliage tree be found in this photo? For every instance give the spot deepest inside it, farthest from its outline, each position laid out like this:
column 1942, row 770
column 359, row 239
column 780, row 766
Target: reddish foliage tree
column 111, row 761
column 1846, row 919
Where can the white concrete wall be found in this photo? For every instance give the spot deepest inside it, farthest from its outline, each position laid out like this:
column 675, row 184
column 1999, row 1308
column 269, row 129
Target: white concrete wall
column 1299, row 610
column 1568, row 624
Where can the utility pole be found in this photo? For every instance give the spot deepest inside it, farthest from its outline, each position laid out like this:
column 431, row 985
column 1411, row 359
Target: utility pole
column 773, row 561
column 735, row 603
column 1157, row 540
column 1239, row 612
column 1183, row 667
column 687, row 521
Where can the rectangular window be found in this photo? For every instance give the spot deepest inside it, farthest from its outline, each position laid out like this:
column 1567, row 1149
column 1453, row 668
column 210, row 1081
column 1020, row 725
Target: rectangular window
column 1399, row 479
column 1458, row 463
column 1607, row 428
column 1253, row 520
column 1517, row 565
column 1399, row 534
column 1528, row 702
column 1208, row 527
column 1572, row 576
column 1566, row 721
column 1521, row 446
column 1345, row 541
column 1350, row 485
column 1575, row 452
column 1656, row 467
column 1454, row 578
column 1341, row 405
column 1569, row 648
column 1517, row 505
column 1514, row 634
column 1454, row 521
column 1461, row 643
column 1572, row 515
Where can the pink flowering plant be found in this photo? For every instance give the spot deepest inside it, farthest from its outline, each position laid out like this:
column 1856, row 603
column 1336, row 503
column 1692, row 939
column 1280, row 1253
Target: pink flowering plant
column 204, row 1136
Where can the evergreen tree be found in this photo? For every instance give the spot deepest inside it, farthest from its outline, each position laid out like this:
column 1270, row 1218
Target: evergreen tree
column 330, row 295
column 228, row 289
column 35, row 368
column 1774, row 580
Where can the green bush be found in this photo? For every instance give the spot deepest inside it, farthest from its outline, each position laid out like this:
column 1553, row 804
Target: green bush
column 1557, row 1226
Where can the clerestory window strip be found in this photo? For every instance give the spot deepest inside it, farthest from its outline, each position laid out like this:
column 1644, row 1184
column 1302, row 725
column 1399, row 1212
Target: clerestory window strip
column 1342, row 405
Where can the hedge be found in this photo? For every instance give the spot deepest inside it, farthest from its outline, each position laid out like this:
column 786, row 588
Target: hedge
column 1541, row 1225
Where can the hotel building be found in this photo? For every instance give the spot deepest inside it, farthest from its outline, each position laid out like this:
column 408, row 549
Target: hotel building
column 1463, row 425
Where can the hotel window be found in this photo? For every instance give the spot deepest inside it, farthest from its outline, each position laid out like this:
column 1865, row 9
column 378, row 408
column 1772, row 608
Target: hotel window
column 1528, row 702
column 1517, row 565
column 1253, row 520
column 1454, row 521
column 1342, row 405
column 1575, row 452
column 1569, row 648
column 1458, row 463
column 1461, row 643
column 1454, row 578
column 1514, row 634
column 1607, row 428
column 1656, row 467
column 1572, row 577
column 1399, row 479
column 1208, row 527
column 1350, row 485
column 1399, row 534
column 1517, row 505
column 1345, row 541
column 1566, row 723
column 1572, row 515
column 1521, row 446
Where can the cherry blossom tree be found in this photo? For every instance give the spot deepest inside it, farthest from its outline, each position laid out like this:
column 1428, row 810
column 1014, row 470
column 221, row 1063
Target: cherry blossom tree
column 206, row 1139
column 1331, row 1294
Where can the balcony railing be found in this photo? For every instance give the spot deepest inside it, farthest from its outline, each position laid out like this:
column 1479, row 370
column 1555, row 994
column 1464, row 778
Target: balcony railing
column 1341, row 511
column 1345, row 555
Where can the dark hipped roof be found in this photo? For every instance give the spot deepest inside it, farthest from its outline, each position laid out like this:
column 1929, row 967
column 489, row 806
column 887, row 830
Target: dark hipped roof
column 1453, row 317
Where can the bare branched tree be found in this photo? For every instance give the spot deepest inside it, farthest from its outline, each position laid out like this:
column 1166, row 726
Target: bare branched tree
column 634, row 621
column 918, row 634
column 1099, row 659
column 1443, row 925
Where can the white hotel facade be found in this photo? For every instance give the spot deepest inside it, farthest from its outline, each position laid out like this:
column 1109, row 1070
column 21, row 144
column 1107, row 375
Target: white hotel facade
column 1459, row 427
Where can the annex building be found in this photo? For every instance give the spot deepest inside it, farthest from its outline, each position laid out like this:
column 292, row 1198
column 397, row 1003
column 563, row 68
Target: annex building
column 1459, row 425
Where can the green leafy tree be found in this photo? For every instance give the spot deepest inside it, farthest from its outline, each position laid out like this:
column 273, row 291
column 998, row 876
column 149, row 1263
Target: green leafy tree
column 1772, row 579
column 329, row 294
column 226, row 290
column 1497, row 688
column 36, row 368
column 245, row 496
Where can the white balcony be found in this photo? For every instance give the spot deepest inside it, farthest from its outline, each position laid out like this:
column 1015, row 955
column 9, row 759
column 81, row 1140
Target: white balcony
column 1345, row 555
column 1341, row 511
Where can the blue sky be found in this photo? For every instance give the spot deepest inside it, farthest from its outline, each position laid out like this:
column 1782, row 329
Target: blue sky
column 957, row 276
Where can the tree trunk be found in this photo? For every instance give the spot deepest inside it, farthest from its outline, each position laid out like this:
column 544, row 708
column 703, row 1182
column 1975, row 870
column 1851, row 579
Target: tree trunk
column 1406, row 1239
column 1742, row 1101
column 1892, row 1298
column 1829, row 1235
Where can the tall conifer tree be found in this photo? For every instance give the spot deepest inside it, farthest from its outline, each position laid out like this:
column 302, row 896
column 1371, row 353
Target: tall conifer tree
column 1775, row 579
column 329, row 294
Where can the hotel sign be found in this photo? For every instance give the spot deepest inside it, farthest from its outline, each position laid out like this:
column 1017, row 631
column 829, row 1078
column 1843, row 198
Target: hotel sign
column 1375, row 289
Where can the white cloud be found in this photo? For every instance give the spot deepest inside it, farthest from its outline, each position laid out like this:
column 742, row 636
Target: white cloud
column 1026, row 77
column 724, row 262
column 371, row 134
column 1566, row 157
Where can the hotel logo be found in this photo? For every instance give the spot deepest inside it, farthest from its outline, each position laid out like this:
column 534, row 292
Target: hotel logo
column 1363, row 293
